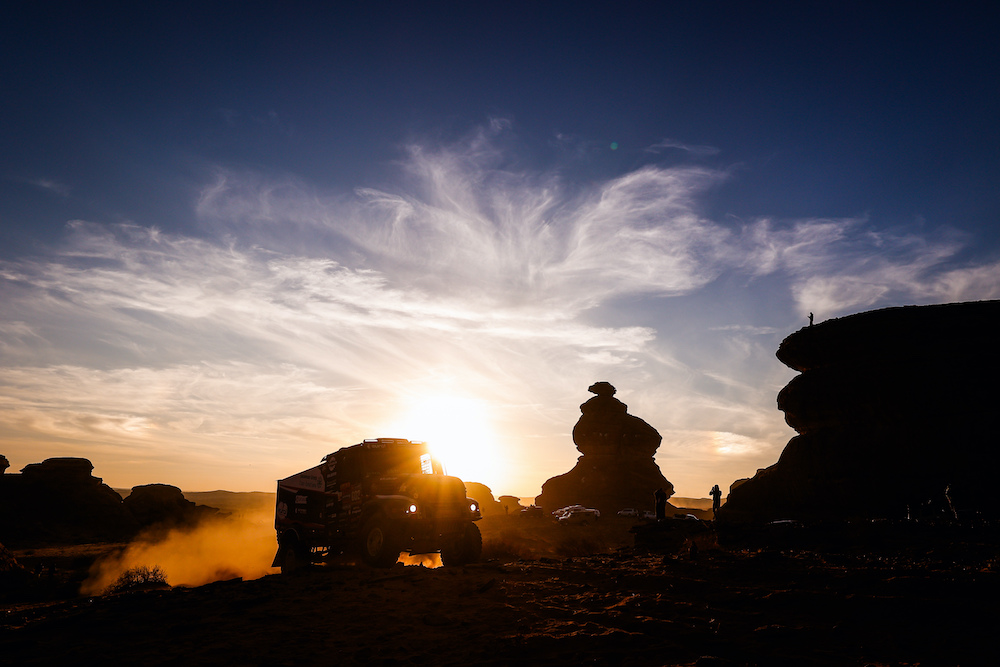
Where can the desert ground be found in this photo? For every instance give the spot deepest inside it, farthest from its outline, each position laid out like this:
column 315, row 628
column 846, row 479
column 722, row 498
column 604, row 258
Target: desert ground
column 547, row 594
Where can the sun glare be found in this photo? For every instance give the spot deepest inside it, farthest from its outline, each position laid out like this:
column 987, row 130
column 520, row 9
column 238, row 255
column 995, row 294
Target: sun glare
column 458, row 431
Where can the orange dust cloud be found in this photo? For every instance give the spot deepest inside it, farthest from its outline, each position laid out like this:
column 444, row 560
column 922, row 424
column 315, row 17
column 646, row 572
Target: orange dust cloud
column 215, row 550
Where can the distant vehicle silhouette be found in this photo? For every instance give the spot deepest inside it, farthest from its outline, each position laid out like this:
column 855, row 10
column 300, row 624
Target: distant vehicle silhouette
column 628, row 511
column 379, row 498
column 532, row 511
column 576, row 514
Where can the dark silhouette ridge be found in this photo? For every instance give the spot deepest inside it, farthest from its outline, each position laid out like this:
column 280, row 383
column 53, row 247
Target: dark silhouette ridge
column 616, row 467
column 59, row 501
column 892, row 408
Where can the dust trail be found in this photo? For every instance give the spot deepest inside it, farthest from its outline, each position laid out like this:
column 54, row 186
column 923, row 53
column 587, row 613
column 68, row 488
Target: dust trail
column 427, row 560
column 214, row 550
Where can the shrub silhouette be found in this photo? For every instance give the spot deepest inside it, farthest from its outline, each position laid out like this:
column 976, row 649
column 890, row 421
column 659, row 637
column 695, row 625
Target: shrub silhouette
column 137, row 578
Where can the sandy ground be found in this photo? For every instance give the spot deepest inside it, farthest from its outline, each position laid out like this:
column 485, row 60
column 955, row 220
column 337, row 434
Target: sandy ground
column 721, row 606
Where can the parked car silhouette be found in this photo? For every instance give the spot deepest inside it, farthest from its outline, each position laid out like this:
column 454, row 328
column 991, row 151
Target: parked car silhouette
column 577, row 514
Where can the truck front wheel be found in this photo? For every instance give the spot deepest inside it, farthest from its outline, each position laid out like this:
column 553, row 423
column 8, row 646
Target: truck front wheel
column 379, row 546
column 467, row 547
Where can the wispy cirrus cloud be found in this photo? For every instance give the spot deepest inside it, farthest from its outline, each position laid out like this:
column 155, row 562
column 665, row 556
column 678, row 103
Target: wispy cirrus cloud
column 51, row 185
column 835, row 266
column 694, row 150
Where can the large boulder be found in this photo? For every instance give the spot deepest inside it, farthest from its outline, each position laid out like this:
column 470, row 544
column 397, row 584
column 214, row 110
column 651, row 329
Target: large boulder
column 164, row 505
column 893, row 409
column 616, row 467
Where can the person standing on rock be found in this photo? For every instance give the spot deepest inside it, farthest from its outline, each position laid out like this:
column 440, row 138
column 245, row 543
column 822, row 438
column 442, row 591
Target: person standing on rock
column 716, row 493
column 660, row 501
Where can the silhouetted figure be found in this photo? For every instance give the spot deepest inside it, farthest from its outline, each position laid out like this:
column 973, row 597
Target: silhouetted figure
column 810, row 319
column 716, row 494
column 660, row 500
column 506, row 510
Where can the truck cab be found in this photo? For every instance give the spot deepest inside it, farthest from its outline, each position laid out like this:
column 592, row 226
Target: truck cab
column 378, row 498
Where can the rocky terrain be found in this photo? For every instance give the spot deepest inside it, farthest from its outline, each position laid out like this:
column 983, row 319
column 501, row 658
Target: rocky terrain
column 919, row 599
column 894, row 410
column 616, row 467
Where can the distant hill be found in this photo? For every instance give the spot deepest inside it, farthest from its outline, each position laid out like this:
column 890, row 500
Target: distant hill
column 691, row 503
column 237, row 503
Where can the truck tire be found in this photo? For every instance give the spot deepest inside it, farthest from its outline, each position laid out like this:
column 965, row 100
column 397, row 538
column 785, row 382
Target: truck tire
column 473, row 543
column 464, row 548
column 379, row 546
column 293, row 557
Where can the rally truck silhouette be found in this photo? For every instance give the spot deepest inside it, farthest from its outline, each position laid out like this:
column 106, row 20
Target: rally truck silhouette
column 375, row 499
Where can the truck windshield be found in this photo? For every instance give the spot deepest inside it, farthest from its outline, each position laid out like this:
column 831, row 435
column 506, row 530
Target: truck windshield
column 400, row 461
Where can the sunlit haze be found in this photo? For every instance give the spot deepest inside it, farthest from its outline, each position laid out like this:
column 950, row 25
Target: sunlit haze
column 232, row 245
column 460, row 433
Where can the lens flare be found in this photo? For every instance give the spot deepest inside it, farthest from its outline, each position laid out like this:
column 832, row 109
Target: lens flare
column 458, row 431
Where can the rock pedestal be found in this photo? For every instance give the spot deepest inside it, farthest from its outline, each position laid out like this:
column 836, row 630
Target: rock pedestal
column 894, row 410
column 616, row 467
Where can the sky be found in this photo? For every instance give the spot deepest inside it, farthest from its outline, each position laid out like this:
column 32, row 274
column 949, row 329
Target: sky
column 237, row 236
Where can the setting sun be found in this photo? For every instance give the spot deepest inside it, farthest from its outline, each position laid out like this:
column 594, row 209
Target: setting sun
column 458, row 431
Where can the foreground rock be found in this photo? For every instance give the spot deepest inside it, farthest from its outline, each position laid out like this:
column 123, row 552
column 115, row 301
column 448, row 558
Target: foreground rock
column 616, row 467
column 894, row 413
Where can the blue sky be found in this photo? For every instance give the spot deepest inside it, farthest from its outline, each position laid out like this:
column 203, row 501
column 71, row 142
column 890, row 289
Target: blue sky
column 236, row 236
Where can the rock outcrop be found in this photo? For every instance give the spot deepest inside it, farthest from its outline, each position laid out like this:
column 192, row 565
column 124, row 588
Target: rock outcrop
column 894, row 410
column 59, row 501
column 616, row 467
column 163, row 504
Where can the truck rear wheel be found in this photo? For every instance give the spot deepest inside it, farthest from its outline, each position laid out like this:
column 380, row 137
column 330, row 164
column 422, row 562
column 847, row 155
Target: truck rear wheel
column 293, row 556
column 465, row 548
column 379, row 546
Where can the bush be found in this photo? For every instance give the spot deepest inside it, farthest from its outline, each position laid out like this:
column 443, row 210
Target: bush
column 136, row 578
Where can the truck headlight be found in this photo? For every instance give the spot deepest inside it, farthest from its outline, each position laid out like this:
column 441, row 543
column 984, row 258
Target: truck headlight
column 412, row 509
column 473, row 507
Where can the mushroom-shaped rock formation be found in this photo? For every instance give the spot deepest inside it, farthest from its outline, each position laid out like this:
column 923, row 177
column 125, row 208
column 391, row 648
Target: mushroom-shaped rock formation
column 894, row 413
column 616, row 467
